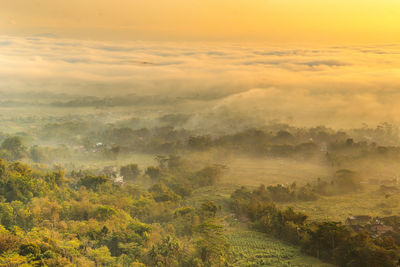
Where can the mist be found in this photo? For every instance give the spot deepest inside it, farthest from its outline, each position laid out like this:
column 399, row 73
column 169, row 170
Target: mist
column 212, row 82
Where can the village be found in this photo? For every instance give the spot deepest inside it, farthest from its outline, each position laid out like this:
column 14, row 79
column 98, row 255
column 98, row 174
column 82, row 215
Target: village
column 375, row 226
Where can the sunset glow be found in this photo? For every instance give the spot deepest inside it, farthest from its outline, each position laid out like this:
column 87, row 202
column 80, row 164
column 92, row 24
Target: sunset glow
column 279, row 21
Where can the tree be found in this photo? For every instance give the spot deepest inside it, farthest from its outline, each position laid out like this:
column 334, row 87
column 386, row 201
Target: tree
column 3, row 167
column 208, row 175
column 165, row 253
column 208, row 209
column 7, row 215
column 37, row 154
column 93, row 182
column 153, row 172
column 326, row 238
column 174, row 162
column 162, row 193
column 103, row 213
column 101, row 256
column 8, row 241
column 130, row 172
column 200, row 142
column 15, row 147
column 347, row 180
column 212, row 245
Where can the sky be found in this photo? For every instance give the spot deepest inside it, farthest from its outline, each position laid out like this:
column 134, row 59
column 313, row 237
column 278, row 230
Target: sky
column 277, row 21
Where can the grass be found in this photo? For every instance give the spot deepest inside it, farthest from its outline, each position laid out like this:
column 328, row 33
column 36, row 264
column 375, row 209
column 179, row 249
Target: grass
column 338, row 208
column 256, row 171
column 251, row 248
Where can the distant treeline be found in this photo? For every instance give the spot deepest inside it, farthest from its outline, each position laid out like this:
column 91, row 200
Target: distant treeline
column 116, row 101
column 338, row 148
column 343, row 181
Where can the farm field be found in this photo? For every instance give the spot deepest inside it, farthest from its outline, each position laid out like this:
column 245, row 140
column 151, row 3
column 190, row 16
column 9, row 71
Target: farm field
column 337, row 208
column 253, row 172
column 250, row 248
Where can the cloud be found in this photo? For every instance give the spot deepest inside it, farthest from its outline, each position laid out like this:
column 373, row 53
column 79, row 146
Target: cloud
column 337, row 86
column 5, row 43
column 330, row 63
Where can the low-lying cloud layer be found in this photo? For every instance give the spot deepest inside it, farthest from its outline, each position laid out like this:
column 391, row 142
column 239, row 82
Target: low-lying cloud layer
column 336, row 86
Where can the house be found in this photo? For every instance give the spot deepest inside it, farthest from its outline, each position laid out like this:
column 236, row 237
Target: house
column 324, row 148
column 119, row 180
column 358, row 220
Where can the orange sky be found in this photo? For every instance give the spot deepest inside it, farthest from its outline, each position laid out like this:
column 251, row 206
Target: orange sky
column 280, row 21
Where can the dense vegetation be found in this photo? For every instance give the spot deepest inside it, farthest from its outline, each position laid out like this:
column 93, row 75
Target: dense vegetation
column 52, row 219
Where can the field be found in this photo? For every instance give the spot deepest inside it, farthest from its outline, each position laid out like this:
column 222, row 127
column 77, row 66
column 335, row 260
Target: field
column 256, row 171
column 338, row 208
column 251, row 248
column 253, row 172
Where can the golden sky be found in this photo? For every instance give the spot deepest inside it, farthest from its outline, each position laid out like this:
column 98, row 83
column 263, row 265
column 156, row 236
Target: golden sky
column 280, row 21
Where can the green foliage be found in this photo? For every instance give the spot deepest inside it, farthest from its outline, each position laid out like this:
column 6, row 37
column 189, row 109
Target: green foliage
column 208, row 176
column 185, row 219
column 37, row 154
column 6, row 215
column 130, row 172
column 93, row 182
column 162, row 193
column 212, row 246
column 282, row 193
column 14, row 147
column 165, row 253
column 208, row 209
column 104, row 213
column 251, row 248
column 8, row 241
column 50, row 220
column 56, row 177
column 154, row 173
column 18, row 182
column 101, row 256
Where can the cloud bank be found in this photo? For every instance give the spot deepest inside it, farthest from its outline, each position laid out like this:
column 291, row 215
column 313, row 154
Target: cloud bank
column 252, row 84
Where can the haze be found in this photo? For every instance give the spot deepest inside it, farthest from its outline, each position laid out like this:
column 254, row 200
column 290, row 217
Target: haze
column 340, row 86
column 199, row 133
